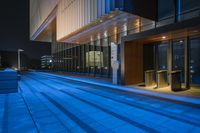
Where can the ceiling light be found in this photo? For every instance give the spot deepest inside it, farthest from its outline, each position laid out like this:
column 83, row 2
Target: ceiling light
column 181, row 41
column 163, row 37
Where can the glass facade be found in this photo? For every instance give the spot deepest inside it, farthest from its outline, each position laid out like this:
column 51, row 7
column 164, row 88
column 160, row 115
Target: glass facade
column 162, row 56
column 179, row 57
column 195, row 61
column 170, row 11
column 166, row 9
column 188, row 9
column 92, row 58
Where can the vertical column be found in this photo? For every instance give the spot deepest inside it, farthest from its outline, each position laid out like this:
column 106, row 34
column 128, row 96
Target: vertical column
column 187, row 63
column 169, row 59
column 99, row 6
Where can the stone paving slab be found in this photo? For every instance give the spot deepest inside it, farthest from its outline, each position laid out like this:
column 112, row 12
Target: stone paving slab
column 15, row 117
column 49, row 104
column 172, row 96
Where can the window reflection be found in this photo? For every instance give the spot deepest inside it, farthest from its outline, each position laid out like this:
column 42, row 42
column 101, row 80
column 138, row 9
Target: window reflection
column 178, row 57
column 195, row 61
column 162, row 56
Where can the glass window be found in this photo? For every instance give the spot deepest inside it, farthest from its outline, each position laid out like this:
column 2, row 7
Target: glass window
column 178, row 57
column 106, row 57
column 165, row 8
column 162, row 56
column 195, row 61
column 188, row 9
column 188, row 5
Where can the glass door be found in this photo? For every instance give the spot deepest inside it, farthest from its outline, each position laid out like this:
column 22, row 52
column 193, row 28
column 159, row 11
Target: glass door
column 162, row 56
column 195, row 61
column 178, row 57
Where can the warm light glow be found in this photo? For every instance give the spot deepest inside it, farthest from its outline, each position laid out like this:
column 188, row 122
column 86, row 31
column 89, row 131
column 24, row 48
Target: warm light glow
column 137, row 23
column 164, row 37
column 115, row 30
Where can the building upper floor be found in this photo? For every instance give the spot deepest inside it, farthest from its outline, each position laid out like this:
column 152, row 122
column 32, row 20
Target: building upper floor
column 80, row 21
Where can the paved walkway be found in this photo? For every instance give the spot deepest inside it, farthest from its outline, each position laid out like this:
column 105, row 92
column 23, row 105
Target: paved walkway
column 49, row 104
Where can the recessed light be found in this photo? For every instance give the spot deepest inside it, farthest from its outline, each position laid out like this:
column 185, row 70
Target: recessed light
column 163, row 37
column 181, row 41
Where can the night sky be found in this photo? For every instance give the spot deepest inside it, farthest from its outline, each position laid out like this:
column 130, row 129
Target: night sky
column 14, row 29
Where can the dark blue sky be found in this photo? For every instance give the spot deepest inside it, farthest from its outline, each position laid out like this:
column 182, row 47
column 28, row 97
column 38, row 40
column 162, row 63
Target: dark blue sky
column 14, row 29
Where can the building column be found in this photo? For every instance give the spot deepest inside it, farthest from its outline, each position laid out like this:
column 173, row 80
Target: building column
column 170, row 59
column 187, row 63
column 122, row 63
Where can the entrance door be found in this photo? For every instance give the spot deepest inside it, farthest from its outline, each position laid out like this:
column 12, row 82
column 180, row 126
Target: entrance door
column 195, row 61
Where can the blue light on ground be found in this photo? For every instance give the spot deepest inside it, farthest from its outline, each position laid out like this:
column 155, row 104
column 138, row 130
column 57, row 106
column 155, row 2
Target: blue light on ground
column 49, row 104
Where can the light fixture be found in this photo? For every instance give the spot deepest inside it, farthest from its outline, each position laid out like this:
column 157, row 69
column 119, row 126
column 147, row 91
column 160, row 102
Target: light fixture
column 105, row 34
column 125, row 27
column 91, row 39
column 98, row 36
column 164, row 37
column 115, row 30
column 181, row 41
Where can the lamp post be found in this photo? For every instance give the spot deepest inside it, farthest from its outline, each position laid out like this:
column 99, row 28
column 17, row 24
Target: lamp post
column 19, row 62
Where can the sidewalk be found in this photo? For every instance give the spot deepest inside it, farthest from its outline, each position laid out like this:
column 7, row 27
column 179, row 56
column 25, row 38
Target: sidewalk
column 188, row 100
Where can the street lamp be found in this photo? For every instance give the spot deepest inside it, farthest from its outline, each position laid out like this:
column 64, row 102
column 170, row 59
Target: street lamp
column 19, row 63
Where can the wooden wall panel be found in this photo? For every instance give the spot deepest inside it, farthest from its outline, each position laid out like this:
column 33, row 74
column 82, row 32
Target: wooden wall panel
column 133, row 63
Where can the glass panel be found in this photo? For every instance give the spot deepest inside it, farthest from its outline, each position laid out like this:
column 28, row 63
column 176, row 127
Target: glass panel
column 149, row 57
column 178, row 57
column 188, row 5
column 98, row 57
column 106, row 57
column 166, row 12
column 165, row 8
column 195, row 61
column 162, row 56
column 188, row 8
column 82, row 58
column 87, row 57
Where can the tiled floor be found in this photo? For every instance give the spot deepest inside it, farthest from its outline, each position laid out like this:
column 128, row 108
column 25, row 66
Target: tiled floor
column 51, row 104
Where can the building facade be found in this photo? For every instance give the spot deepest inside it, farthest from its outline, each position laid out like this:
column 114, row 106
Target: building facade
column 46, row 62
column 130, row 38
